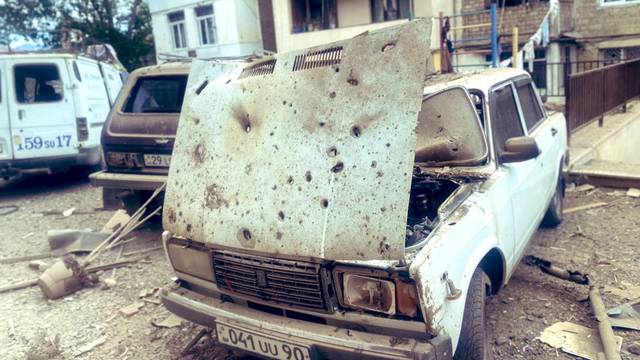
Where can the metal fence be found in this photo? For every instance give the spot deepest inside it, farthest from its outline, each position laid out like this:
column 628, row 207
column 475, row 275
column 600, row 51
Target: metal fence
column 551, row 78
column 593, row 93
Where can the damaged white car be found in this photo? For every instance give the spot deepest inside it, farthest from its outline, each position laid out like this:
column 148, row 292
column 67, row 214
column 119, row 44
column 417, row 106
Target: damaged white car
column 332, row 203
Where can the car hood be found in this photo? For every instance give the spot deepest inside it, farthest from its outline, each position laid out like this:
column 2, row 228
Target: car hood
column 307, row 154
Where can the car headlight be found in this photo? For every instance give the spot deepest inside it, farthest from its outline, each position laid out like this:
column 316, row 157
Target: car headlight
column 122, row 159
column 190, row 258
column 362, row 292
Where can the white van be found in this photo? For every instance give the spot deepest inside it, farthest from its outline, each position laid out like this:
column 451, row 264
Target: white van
column 52, row 108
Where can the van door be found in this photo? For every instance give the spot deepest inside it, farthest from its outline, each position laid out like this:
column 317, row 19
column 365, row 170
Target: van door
column 42, row 116
column 6, row 152
column 112, row 80
column 94, row 100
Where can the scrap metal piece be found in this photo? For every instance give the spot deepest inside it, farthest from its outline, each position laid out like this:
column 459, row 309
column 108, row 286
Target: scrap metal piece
column 611, row 348
column 547, row 267
column 575, row 339
column 74, row 241
column 307, row 154
column 626, row 316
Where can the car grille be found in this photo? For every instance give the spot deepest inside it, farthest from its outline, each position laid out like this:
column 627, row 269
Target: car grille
column 294, row 283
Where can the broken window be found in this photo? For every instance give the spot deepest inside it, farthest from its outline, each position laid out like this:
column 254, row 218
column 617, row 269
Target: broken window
column 505, row 121
column 37, row 83
column 314, row 15
column 448, row 131
column 159, row 94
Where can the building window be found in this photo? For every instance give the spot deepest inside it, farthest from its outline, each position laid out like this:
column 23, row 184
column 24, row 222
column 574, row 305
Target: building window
column 632, row 53
column 618, row 2
column 611, row 56
column 388, row 10
column 314, row 15
column 176, row 24
column 206, row 24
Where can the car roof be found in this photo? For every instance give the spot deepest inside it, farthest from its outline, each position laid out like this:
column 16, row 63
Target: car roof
column 172, row 68
column 482, row 80
column 43, row 55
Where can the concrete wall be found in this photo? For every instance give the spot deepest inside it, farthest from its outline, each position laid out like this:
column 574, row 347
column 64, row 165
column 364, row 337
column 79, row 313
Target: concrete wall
column 350, row 12
column 237, row 28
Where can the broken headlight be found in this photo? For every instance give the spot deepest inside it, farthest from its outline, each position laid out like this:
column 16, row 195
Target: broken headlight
column 190, row 258
column 362, row 292
column 377, row 290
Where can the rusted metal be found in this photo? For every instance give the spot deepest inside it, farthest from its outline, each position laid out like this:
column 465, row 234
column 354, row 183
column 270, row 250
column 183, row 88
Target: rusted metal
column 315, row 162
column 604, row 326
column 547, row 267
column 596, row 92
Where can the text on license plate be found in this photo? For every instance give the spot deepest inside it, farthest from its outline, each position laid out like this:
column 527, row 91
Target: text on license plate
column 260, row 345
column 157, row 160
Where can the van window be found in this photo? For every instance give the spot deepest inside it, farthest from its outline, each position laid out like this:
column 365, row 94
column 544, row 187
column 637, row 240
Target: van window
column 37, row 83
column 158, row 94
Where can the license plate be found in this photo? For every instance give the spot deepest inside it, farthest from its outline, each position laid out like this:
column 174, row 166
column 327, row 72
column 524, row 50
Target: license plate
column 157, row 160
column 261, row 345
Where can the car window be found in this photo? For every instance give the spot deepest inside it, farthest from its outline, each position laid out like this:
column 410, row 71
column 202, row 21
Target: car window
column 448, row 131
column 37, row 83
column 158, row 94
column 505, row 121
column 529, row 105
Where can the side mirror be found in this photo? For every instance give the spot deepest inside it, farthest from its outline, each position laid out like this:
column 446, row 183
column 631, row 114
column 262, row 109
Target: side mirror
column 519, row 148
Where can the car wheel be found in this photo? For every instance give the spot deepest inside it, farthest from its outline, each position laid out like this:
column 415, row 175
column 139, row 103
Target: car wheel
column 474, row 337
column 553, row 217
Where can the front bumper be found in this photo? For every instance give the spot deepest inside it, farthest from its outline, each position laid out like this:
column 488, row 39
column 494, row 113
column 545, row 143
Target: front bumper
column 324, row 341
column 127, row 181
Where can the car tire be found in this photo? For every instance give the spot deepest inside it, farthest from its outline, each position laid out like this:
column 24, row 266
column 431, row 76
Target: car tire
column 553, row 216
column 473, row 343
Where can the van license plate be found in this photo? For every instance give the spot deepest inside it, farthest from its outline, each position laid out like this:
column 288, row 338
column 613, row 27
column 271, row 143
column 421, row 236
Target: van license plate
column 261, row 345
column 157, row 160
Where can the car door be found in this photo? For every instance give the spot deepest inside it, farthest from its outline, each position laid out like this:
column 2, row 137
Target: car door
column 42, row 116
column 5, row 130
column 524, row 177
column 544, row 133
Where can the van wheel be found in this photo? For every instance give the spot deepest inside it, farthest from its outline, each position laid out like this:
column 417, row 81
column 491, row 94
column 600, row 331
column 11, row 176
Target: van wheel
column 553, row 217
column 473, row 343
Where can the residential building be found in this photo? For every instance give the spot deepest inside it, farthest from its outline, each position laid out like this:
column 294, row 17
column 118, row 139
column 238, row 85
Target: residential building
column 304, row 23
column 606, row 30
column 584, row 34
column 206, row 29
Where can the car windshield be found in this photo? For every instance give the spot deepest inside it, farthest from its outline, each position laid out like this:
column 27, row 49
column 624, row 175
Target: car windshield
column 449, row 132
column 158, row 94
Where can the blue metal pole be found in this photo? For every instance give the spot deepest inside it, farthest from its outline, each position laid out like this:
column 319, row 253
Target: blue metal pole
column 494, row 35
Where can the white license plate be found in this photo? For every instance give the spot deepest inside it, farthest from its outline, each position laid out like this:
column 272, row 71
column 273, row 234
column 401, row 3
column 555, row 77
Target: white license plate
column 157, row 160
column 261, row 345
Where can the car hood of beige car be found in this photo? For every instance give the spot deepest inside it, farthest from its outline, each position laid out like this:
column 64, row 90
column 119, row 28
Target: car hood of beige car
column 307, row 154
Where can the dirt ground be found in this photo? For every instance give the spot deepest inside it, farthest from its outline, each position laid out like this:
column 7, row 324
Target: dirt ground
column 602, row 242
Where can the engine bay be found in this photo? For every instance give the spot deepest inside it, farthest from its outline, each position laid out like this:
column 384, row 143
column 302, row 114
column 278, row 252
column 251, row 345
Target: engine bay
column 427, row 195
